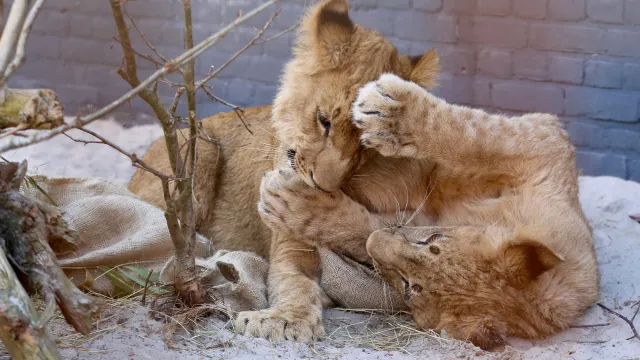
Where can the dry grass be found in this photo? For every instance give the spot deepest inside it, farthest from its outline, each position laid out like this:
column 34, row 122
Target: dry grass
column 380, row 331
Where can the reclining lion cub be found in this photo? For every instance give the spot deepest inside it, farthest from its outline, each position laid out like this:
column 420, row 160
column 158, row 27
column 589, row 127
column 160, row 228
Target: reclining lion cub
column 509, row 251
column 310, row 127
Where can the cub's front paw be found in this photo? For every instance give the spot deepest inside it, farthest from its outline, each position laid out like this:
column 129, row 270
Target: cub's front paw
column 280, row 324
column 288, row 204
column 384, row 110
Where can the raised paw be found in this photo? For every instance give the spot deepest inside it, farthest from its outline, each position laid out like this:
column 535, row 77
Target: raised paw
column 278, row 324
column 383, row 110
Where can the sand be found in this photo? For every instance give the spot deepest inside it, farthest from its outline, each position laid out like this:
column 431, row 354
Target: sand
column 127, row 330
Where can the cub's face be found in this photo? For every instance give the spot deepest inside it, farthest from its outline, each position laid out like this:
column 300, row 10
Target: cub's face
column 470, row 281
column 333, row 58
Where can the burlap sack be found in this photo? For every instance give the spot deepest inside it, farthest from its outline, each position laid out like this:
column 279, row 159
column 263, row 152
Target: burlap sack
column 116, row 228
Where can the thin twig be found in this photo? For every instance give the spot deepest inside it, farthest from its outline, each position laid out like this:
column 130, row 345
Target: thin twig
column 213, row 74
column 134, row 158
column 144, row 38
column 146, row 285
column 625, row 319
column 176, row 101
column 237, row 109
column 170, row 67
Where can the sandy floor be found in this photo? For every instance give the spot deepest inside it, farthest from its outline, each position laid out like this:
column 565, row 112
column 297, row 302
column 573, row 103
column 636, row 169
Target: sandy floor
column 127, row 330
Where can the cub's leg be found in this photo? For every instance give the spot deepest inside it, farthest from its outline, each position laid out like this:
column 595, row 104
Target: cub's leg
column 295, row 297
column 401, row 119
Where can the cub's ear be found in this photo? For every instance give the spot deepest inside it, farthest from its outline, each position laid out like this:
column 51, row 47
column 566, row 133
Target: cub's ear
column 327, row 30
column 425, row 69
column 525, row 258
column 228, row 271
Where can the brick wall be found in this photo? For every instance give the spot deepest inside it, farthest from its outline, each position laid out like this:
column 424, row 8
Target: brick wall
column 579, row 59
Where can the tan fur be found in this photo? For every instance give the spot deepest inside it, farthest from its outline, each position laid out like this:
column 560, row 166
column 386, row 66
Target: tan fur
column 510, row 252
column 333, row 58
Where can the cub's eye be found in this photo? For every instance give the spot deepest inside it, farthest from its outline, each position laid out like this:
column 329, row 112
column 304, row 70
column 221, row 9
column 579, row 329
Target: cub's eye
column 326, row 124
column 431, row 239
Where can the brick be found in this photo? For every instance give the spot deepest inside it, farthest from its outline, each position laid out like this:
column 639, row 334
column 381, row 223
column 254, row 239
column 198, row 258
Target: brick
column 42, row 46
column 265, row 69
column 602, row 104
column 172, row 33
column 154, row 9
column 626, row 140
column 395, row 4
column 83, row 7
column 78, row 94
column 599, row 164
column 482, row 92
column 82, row 50
column 279, row 47
column 288, row 17
column 237, row 68
column 404, row 46
column 460, row 6
column 530, row 64
column 623, row 42
column 104, row 28
column 564, row 69
column 527, row 97
column 568, row 10
column 587, row 135
column 356, row 4
column 455, row 88
column 530, row 9
column 207, row 12
column 634, row 170
column 82, row 26
column 603, row 74
column 631, row 76
column 428, row 5
column 377, row 19
column 52, row 23
column 234, row 41
column 240, row 92
column 495, row 63
column 561, row 37
column 264, row 94
column 605, row 11
column 425, row 27
column 494, row 7
column 632, row 11
column 501, row 32
column 460, row 61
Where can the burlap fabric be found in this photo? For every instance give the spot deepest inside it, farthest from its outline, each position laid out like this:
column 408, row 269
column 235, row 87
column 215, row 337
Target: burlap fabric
column 117, row 228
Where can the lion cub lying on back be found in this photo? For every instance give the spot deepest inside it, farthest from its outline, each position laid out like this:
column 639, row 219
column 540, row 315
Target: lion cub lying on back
column 509, row 251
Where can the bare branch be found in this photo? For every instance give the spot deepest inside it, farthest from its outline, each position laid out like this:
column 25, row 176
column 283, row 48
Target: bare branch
column 19, row 57
column 135, row 160
column 213, row 74
column 625, row 319
column 237, row 109
column 171, row 66
column 11, row 32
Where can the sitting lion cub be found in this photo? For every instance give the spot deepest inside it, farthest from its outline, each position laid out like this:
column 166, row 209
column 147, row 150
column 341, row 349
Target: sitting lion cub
column 509, row 251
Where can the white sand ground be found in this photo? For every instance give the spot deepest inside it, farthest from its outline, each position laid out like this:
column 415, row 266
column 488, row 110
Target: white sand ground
column 127, row 331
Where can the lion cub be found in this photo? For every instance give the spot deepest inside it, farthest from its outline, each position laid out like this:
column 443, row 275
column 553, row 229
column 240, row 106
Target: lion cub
column 519, row 261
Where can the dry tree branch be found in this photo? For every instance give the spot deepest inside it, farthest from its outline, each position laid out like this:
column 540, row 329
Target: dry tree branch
column 11, row 32
column 625, row 319
column 170, row 67
column 252, row 42
column 19, row 57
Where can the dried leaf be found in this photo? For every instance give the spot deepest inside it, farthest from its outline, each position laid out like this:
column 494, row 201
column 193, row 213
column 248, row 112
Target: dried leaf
column 635, row 217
